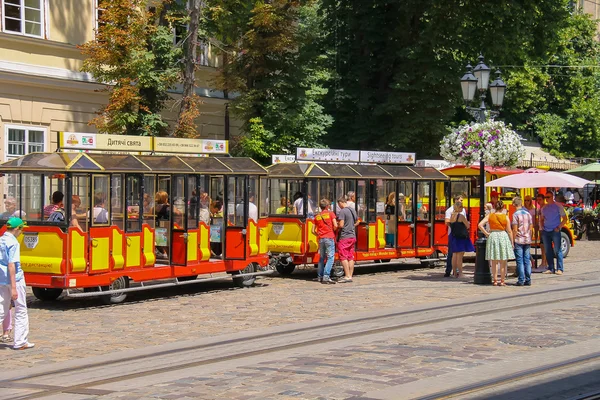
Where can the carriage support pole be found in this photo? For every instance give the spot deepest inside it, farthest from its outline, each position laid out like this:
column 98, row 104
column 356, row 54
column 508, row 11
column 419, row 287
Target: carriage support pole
column 483, row 276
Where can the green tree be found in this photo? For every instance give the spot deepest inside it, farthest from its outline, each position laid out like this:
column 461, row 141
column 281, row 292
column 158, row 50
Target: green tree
column 136, row 59
column 276, row 67
column 397, row 63
column 559, row 102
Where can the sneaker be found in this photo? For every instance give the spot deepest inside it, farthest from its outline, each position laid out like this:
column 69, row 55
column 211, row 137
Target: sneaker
column 317, row 279
column 344, row 280
column 547, row 272
column 4, row 339
column 327, row 281
column 519, row 284
column 26, row 346
column 528, row 283
column 559, row 272
column 447, row 275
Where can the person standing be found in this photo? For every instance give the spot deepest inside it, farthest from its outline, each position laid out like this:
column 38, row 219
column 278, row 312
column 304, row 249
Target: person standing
column 500, row 245
column 522, row 224
column 391, row 220
column 540, row 202
column 494, row 200
column 459, row 237
column 447, row 219
column 12, row 282
column 324, row 227
column 552, row 219
column 347, row 221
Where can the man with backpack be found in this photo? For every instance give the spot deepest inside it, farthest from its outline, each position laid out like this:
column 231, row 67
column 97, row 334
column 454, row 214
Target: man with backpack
column 347, row 221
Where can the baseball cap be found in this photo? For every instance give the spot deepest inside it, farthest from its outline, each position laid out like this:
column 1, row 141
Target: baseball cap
column 15, row 222
column 494, row 194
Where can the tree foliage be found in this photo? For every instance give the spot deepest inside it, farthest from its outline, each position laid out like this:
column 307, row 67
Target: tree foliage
column 559, row 102
column 277, row 68
column 136, row 59
column 398, row 63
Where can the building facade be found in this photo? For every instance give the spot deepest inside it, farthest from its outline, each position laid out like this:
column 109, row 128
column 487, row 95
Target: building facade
column 42, row 90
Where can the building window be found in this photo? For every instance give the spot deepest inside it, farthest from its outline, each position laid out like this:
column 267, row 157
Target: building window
column 22, row 140
column 25, row 17
column 99, row 10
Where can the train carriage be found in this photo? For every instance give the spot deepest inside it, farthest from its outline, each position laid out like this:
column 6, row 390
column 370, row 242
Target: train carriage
column 415, row 229
column 113, row 232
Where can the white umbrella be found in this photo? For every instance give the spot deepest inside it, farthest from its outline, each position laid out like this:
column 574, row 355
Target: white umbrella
column 538, row 178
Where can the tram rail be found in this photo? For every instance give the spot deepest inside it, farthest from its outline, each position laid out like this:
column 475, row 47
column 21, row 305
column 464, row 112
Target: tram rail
column 519, row 376
column 288, row 339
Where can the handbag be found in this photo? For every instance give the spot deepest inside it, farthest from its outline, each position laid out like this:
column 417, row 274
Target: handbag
column 459, row 230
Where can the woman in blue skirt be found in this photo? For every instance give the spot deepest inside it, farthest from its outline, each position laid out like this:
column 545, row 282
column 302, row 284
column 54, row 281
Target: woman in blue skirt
column 459, row 238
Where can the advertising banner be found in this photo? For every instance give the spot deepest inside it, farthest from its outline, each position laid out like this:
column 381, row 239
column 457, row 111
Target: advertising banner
column 190, row 146
column 386, row 157
column 102, row 142
column 306, row 154
column 283, row 158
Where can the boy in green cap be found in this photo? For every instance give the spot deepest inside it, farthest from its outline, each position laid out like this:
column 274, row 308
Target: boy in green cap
column 12, row 282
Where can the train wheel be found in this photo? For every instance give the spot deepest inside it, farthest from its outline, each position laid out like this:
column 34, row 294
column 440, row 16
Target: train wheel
column 46, row 294
column 565, row 244
column 285, row 269
column 121, row 282
column 245, row 281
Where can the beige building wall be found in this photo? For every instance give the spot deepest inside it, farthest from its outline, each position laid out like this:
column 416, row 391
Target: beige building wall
column 42, row 88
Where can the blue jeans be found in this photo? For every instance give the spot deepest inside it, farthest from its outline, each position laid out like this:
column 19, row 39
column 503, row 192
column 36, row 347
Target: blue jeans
column 449, row 258
column 550, row 238
column 523, row 258
column 326, row 250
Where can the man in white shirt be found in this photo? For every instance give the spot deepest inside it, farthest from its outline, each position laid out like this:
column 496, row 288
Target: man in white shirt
column 447, row 217
column 299, row 206
column 252, row 209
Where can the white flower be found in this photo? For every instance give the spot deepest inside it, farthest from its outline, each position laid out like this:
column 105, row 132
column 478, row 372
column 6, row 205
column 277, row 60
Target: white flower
column 492, row 141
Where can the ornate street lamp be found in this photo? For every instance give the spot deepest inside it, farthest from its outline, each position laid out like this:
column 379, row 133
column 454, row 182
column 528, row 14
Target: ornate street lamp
column 479, row 79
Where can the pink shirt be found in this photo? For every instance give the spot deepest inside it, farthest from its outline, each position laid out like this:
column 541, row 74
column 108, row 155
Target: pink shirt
column 522, row 219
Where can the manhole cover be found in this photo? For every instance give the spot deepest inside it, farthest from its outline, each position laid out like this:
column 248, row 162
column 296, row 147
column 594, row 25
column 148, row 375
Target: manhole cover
column 534, row 341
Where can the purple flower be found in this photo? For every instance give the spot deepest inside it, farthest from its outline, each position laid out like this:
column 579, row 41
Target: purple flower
column 480, row 134
column 468, row 143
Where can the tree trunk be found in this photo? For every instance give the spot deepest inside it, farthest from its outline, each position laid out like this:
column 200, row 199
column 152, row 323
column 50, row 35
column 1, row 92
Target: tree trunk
column 190, row 59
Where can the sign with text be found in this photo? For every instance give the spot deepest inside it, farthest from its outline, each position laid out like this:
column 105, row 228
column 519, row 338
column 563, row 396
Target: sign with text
column 306, row 154
column 387, row 157
column 283, row 158
column 96, row 141
column 190, row 146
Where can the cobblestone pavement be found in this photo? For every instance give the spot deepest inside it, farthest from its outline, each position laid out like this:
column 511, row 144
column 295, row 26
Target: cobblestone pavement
column 73, row 328
column 352, row 371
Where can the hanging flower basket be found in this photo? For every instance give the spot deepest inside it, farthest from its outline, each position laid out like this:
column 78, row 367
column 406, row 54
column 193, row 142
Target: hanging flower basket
column 495, row 142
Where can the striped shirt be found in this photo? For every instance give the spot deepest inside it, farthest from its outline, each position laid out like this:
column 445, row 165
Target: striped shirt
column 523, row 221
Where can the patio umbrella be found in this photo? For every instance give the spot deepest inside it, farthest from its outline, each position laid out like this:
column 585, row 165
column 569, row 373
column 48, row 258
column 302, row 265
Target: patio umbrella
column 538, row 178
column 588, row 171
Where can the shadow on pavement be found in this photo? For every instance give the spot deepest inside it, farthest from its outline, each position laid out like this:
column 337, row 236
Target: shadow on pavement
column 69, row 303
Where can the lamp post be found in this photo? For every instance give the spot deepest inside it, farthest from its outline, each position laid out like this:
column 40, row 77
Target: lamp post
column 474, row 80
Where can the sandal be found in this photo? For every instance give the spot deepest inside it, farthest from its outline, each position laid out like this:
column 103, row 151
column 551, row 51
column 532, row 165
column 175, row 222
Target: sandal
column 495, row 283
column 502, row 283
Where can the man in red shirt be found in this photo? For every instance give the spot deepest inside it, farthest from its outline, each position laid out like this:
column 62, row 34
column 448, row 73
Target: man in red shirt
column 325, row 224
